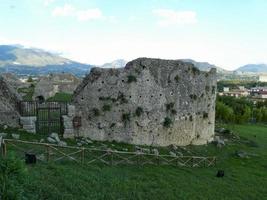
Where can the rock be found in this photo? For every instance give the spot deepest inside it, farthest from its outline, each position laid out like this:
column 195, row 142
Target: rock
column 242, row 154
column 218, row 141
column 5, row 127
column 62, row 144
column 41, row 157
column 51, row 140
column 174, row 147
column 15, row 136
column 3, row 135
column 180, row 154
column 172, row 154
column 42, row 140
column 145, row 150
column 55, row 137
column 79, row 144
column 155, row 151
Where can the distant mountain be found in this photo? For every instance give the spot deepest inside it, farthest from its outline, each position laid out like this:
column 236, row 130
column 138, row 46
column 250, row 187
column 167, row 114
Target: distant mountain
column 31, row 61
column 205, row 66
column 115, row 64
column 253, row 68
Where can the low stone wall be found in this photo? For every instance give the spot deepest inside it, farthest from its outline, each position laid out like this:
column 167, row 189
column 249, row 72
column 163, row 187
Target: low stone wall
column 28, row 123
column 69, row 131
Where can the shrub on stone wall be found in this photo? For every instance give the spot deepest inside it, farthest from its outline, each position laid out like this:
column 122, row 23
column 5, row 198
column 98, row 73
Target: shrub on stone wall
column 106, row 107
column 139, row 111
column 205, row 115
column 177, row 78
column 96, row 111
column 169, row 106
column 126, row 117
column 131, row 78
column 167, row 122
column 121, row 98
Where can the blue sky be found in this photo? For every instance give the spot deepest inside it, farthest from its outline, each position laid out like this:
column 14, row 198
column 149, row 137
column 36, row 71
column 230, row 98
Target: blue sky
column 228, row 33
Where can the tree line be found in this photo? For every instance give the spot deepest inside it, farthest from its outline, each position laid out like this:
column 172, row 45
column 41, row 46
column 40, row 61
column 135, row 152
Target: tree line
column 240, row 110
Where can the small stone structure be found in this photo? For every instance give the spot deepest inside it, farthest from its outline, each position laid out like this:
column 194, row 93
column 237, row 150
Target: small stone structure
column 8, row 104
column 149, row 102
column 51, row 84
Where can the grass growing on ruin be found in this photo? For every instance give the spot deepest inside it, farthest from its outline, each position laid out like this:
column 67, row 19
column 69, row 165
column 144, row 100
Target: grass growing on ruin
column 245, row 178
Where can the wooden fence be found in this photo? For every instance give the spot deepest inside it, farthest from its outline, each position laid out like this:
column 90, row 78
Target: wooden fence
column 53, row 153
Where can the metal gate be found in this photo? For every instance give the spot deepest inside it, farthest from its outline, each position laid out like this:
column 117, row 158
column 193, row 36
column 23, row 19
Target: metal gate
column 49, row 118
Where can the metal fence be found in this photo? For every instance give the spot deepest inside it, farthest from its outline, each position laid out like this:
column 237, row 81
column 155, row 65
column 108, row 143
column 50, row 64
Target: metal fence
column 29, row 108
column 53, row 153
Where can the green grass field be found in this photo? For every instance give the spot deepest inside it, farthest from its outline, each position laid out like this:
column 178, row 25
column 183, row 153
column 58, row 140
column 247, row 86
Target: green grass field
column 245, row 178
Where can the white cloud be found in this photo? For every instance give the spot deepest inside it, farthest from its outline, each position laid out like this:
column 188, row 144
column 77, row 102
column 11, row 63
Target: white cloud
column 48, row 2
column 82, row 15
column 171, row 17
column 66, row 10
column 90, row 14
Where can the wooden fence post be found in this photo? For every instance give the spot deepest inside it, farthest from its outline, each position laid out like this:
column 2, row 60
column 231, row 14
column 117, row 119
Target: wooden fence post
column 82, row 155
column 111, row 158
column 4, row 149
column 47, row 153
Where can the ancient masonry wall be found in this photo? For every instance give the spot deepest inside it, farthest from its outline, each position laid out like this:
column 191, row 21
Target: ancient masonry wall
column 149, row 102
column 8, row 104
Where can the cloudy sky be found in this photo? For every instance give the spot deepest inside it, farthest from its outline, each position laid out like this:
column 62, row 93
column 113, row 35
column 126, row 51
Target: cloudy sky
column 228, row 33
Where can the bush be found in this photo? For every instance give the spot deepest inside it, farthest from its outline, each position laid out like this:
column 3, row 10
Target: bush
column 131, row 78
column 177, row 78
column 205, row 115
column 173, row 111
column 12, row 177
column 126, row 117
column 195, row 70
column 122, row 98
column 167, row 122
column 169, row 106
column 106, row 107
column 139, row 111
column 96, row 111
column 193, row 96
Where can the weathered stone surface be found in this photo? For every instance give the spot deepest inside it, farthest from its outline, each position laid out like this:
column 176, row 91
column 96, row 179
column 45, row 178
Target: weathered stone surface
column 29, row 123
column 55, row 137
column 62, row 143
column 149, row 102
column 51, row 140
column 8, row 104
column 15, row 136
column 49, row 85
column 3, row 135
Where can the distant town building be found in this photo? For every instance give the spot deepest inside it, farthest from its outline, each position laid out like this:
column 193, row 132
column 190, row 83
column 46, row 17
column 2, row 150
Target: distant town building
column 240, row 92
column 259, row 92
column 263, row 78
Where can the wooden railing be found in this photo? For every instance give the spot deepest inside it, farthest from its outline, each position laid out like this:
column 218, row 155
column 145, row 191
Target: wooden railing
column 53, row 153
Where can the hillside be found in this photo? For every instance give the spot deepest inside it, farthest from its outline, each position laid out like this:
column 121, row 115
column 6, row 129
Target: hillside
column 253, row 68
column 205, row 66
column 31, row 61
column 115, row 64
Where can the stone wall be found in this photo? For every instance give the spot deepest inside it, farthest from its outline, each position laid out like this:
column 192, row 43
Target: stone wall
column 51, row 84
column 149, row 102
column 8, row 104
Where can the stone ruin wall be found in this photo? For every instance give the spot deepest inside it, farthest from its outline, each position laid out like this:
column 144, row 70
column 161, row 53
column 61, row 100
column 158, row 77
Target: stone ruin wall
column 49, row 85
column 8, row 104
column 149, row 102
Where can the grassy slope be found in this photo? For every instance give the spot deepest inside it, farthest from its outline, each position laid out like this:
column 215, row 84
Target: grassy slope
column 244, row 178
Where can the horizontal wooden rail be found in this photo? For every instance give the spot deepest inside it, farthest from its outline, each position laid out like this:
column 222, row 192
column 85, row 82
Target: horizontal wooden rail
column 83, row 155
